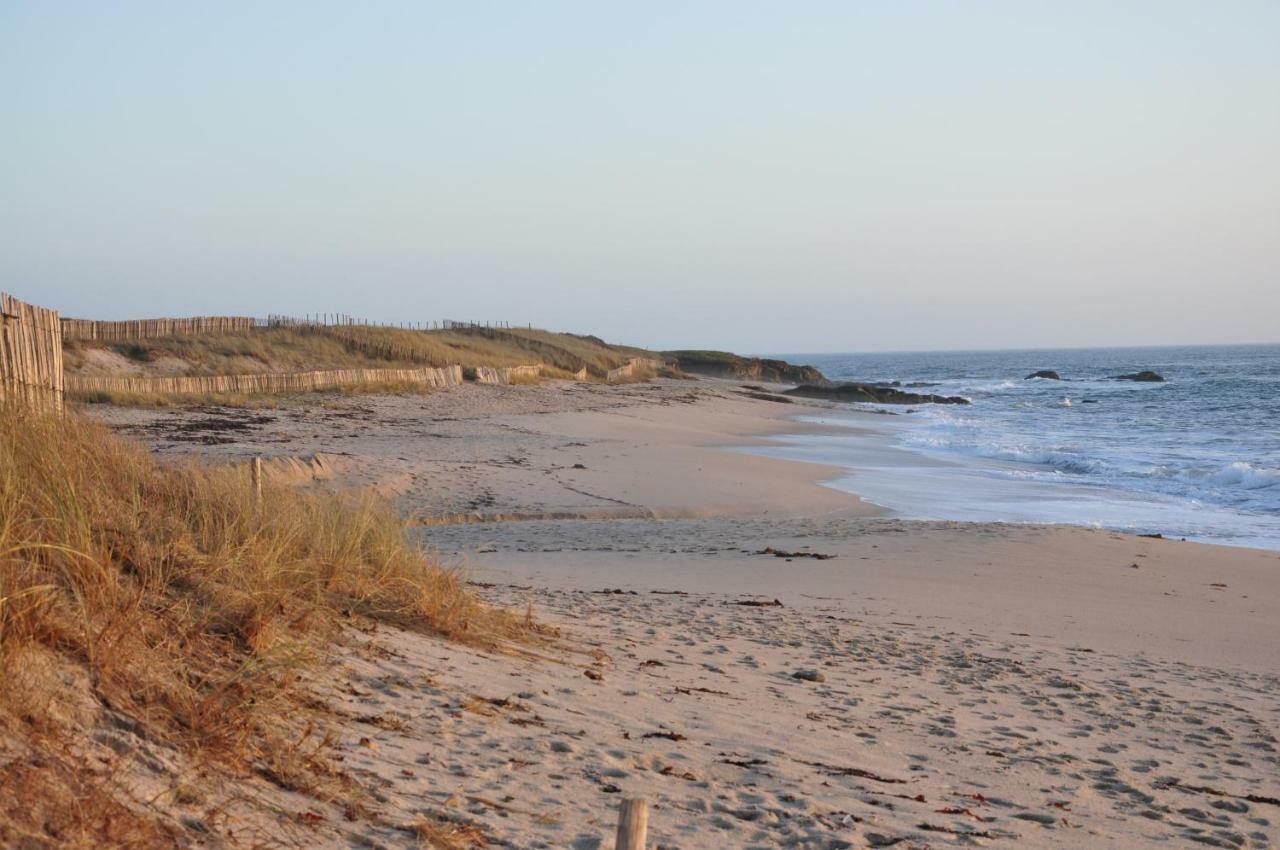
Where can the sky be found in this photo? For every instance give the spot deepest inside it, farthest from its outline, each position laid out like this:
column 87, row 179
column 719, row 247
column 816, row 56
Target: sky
column 757, row 176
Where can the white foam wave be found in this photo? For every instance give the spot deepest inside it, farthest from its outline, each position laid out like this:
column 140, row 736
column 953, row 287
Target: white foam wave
column 1061, row 458
column 1237, row 475
column 1066, row 459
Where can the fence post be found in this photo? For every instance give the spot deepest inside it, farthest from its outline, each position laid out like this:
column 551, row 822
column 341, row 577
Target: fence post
column 633, row 823
column 255, row 476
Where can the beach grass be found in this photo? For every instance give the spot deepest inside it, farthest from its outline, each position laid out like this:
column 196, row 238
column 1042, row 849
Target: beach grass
column 250, row 401
column 169, row 598
column 283, row 349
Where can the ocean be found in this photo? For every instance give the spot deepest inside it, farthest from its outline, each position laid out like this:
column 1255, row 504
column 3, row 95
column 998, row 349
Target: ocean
column 1197, row 456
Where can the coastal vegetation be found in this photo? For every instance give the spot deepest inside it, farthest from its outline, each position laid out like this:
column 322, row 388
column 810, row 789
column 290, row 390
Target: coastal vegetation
column 252, row 401
column 248, row 367
column 176, row 604
column 280, row 349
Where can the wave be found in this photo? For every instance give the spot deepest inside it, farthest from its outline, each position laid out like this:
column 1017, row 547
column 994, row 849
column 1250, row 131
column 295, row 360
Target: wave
column 1199, row 454
column 1239, row 474
column 1061, row 458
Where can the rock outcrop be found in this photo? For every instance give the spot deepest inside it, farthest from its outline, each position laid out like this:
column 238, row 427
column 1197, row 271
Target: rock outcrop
column 1047, row 374
column 876, row 393
column 723, row 364
column 1146, row 375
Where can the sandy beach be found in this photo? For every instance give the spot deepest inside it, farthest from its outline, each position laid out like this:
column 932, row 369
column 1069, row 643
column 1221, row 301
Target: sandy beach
column 687, row 426
column 771, row 663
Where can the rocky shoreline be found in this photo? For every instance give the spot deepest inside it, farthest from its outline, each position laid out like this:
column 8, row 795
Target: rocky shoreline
column 854, row 391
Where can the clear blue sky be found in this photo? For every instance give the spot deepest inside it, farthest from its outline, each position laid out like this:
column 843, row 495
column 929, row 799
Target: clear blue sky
column 763, row 176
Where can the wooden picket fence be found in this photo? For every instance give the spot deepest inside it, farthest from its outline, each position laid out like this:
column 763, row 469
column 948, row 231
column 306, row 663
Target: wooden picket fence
column 267, row 382
column 627, row 372
column 337, row 320
column 152, row 328
column 506, row 374
column 30, row 353
column 510, row 374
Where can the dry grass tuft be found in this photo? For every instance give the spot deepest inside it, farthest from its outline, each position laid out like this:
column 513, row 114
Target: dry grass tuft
column 175, row 605
column 51, row 802
column 126, row 398
column 642, row 373
column 248, row 401
column 446, row 834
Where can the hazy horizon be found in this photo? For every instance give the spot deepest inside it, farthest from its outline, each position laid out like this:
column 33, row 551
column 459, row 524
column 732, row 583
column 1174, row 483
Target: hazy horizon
column 830, row 177
column 1036, row 349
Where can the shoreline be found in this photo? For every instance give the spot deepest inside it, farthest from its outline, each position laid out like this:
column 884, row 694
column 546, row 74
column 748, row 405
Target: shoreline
column 486, row 452
column 1189, row 456
column 657, row 431
column 917, row 484
column 921, row 682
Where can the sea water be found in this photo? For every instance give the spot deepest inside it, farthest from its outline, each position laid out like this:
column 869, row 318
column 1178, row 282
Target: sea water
column 1197, row 456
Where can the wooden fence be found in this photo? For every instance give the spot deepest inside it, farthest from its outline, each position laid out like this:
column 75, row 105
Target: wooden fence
column 510, row 374
column 151, row 328
column 506, row 374
column 336, row 320
column 628, row 371
column 116, row 331
column 30, row 353
column 267, row 382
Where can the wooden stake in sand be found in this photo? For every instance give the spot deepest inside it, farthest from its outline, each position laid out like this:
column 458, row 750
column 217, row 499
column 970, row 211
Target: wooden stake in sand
column 633, row 823
column 255, row 476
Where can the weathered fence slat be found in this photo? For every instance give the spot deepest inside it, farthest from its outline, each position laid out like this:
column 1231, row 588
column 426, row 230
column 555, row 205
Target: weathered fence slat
column 151, row 328
column 633, row 824
column 506, row 374
column 255, row 478
column 628, row 370
column 30, row 353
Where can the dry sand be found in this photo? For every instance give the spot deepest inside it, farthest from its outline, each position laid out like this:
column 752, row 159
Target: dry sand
column 1017, row 686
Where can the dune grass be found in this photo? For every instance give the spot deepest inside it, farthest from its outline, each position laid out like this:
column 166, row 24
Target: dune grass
column 260, row 350
column 642, row 373
column 350, row 346
column 250, row 401
column 126, row 398
column 170, row 599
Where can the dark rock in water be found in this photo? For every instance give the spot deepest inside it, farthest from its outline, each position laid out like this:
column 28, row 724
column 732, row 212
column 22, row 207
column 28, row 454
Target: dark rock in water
column 849, row 392
column 1047, row 374
column 915, row 384
column 1146, row 375
column 1089, row 401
